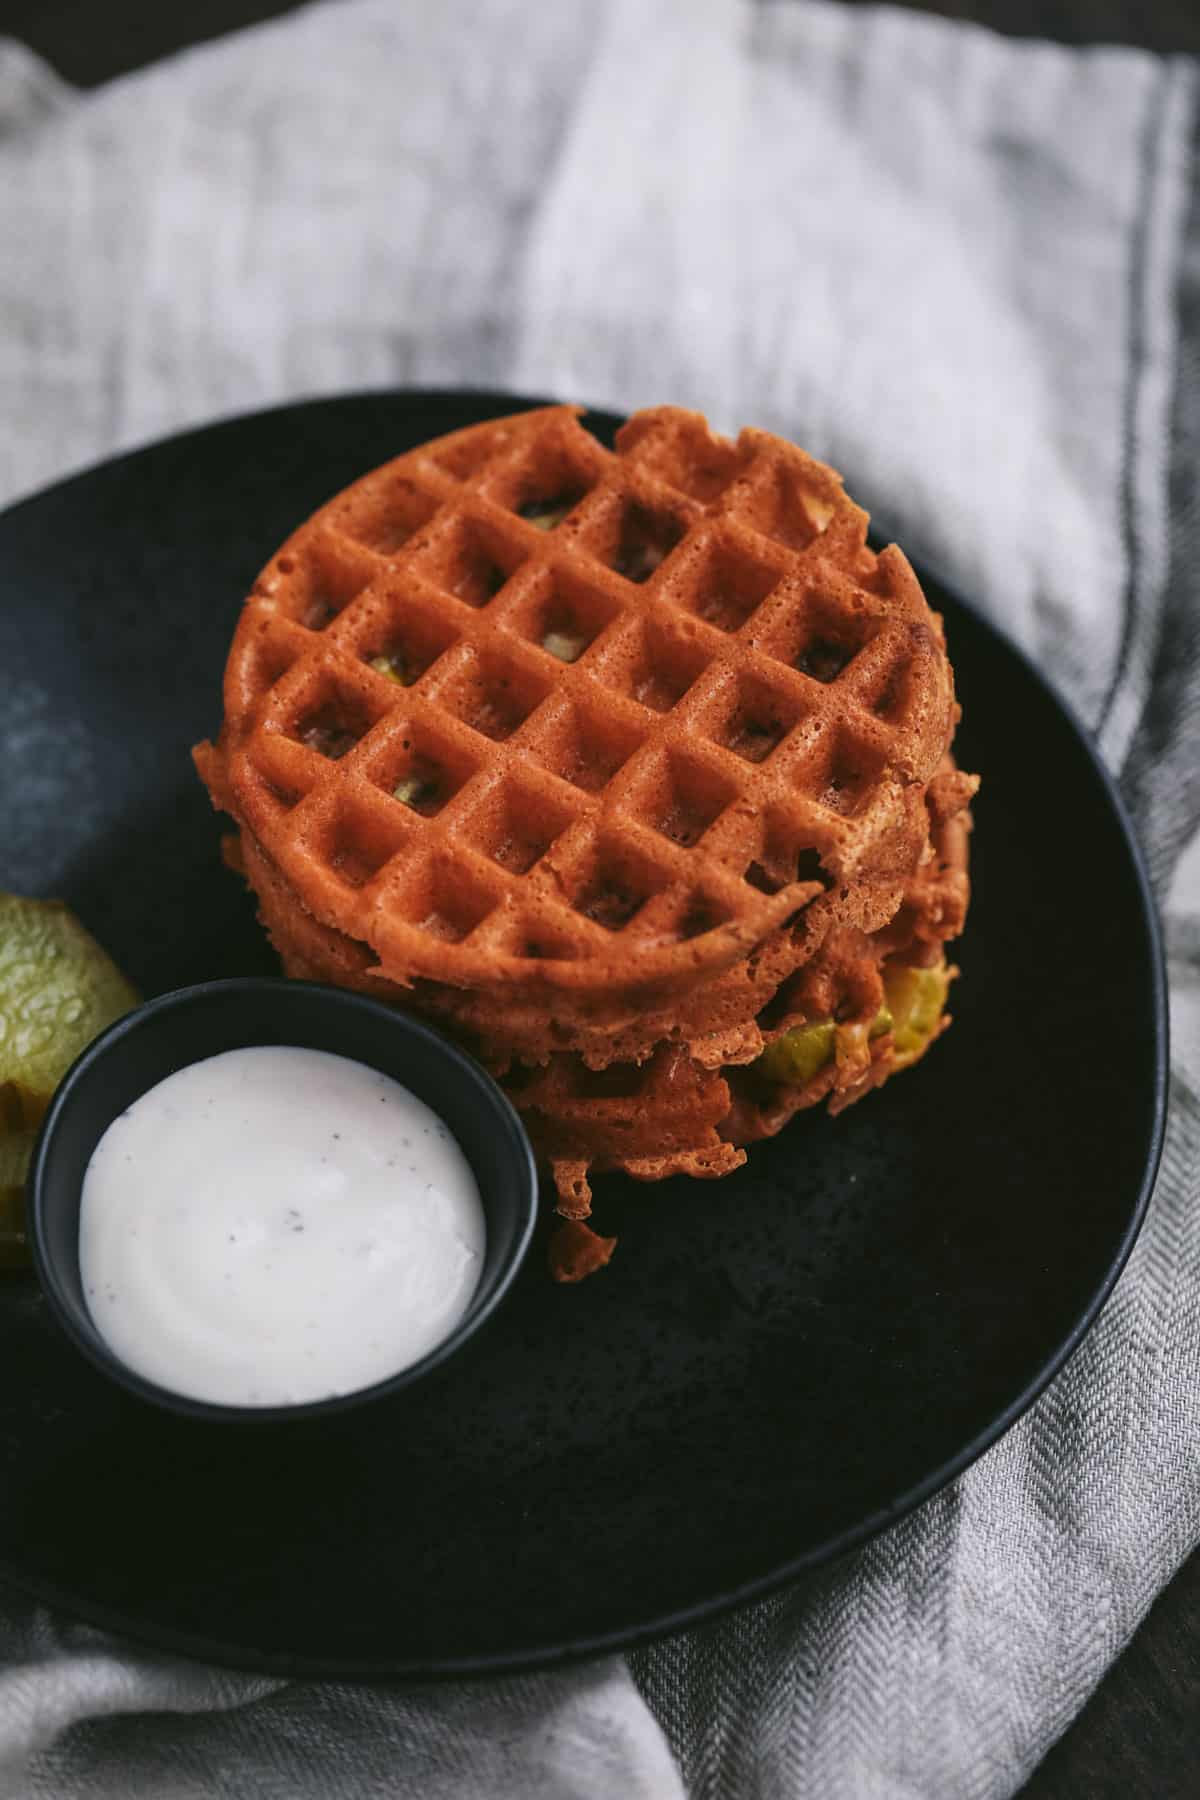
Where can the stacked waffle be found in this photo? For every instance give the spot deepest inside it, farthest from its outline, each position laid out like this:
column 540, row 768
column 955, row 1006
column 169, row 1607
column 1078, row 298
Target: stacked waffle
column 630, row 768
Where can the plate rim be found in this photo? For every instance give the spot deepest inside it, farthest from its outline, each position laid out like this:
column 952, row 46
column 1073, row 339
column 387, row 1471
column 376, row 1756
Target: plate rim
column 620, row 1639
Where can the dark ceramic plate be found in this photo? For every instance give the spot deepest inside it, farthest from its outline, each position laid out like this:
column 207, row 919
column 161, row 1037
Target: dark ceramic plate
column 775, row 1366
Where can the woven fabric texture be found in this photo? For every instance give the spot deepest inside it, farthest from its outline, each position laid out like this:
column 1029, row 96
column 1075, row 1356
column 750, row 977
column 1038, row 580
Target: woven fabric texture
column 965, row 271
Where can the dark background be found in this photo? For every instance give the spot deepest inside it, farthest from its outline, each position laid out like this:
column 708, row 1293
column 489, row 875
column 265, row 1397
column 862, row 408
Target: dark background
column 91, row 42
column 1140, row 1735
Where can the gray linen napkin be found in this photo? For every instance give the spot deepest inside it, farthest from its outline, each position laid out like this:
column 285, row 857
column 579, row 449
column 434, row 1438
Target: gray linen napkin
column 963, row 269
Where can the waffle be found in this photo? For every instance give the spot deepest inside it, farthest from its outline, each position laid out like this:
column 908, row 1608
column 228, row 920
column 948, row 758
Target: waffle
column 713, row 1019
column 616, row 764
column 520, row 712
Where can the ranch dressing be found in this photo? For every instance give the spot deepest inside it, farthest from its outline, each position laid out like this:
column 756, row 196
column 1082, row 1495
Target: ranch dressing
column 275, row 1225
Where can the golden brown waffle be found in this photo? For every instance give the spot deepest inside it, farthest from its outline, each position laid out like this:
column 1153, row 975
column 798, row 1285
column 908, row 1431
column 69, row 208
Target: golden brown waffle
column 519, row 715
column 618, row 765
column 712, row 1019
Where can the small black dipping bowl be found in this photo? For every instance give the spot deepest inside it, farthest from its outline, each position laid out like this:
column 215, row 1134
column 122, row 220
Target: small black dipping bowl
column 167, row 1034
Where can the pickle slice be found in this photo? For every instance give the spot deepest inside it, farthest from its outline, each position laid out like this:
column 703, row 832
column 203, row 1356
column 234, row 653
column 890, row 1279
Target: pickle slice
column 883, row 1021
column 58, row 990
column 914, row 1002
column 916, row 999
column 797, row 1055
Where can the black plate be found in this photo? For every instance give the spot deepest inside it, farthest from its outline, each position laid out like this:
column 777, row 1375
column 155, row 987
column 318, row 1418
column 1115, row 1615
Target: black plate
column 776, row 1364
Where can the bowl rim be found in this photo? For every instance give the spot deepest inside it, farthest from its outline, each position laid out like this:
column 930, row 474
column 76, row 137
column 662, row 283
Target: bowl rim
column 94, row 1347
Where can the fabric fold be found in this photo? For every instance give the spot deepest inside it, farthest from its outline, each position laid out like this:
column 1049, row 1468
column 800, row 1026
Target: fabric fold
column 964, row 270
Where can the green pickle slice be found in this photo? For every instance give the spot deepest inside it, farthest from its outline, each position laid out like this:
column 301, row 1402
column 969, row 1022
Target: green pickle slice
column 799, row 1054
column 58, row 990
column 916, row 999
column 914, row 1002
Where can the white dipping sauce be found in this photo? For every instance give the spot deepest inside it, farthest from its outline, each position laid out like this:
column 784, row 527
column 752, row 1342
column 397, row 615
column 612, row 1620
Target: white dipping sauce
column 276, row 1225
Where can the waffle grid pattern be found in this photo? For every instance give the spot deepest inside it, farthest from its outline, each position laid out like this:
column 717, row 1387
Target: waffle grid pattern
column 515, row 700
